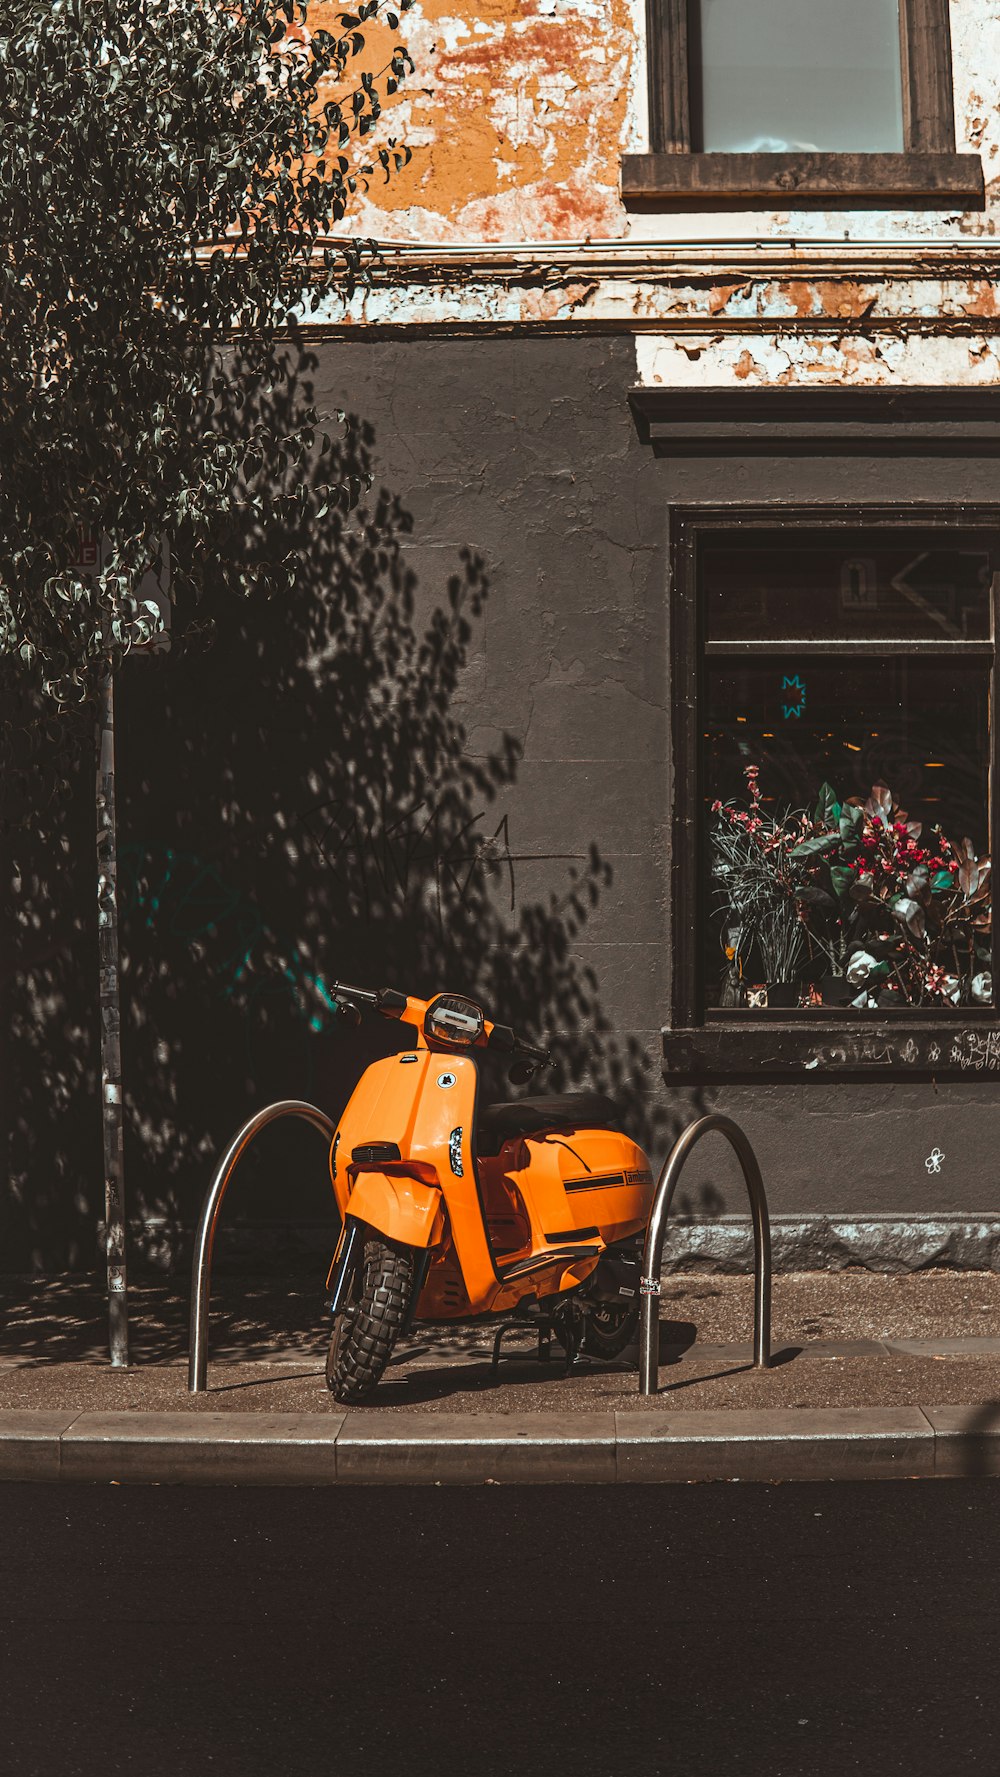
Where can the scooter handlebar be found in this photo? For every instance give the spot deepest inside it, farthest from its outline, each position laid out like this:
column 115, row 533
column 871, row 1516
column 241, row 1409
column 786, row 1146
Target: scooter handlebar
column 362, row 996
column 502, row 1037
column 392, row 1003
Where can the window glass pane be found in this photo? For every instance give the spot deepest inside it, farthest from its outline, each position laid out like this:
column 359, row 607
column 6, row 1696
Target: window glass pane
column 847, row 818
column 863, row 585
column 778, row 75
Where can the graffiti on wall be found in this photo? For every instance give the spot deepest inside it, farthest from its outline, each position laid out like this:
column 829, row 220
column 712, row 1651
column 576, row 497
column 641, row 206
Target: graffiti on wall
column 395, row 857
column 971, row 1051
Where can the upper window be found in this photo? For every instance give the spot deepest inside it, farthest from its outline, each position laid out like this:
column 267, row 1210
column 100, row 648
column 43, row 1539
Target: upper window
column 760, row 101
column 771, row 76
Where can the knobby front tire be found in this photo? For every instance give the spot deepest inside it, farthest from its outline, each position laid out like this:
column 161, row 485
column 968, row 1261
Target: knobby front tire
column 366, row 1330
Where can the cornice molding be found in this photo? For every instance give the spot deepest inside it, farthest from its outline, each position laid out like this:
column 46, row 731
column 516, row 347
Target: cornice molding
column 787, row 257
column 827, row 288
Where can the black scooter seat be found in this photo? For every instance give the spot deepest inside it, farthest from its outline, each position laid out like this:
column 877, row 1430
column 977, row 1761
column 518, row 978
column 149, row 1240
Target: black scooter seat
column 531, row 1116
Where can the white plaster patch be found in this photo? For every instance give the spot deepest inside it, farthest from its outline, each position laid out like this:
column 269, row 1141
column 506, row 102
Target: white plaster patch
column 700, row 361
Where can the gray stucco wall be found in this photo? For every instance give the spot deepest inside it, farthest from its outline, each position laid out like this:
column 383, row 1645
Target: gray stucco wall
column 236, row 765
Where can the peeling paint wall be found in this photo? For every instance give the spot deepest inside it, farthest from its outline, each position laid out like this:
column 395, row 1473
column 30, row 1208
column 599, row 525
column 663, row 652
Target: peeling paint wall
column 780, row 359
column 516, row 114
column 510, row 217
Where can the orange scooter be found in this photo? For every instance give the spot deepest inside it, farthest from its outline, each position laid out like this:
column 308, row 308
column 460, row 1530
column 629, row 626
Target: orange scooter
column 454, row 1210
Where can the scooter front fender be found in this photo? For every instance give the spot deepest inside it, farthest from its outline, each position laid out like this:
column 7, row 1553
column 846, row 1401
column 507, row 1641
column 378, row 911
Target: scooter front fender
column 402, row 1208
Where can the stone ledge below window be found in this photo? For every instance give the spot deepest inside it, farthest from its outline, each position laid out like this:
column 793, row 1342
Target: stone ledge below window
column 800, row 181
column 952, row 1046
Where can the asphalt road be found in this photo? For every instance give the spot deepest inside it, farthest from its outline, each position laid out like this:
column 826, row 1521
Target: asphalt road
column 796, row 1631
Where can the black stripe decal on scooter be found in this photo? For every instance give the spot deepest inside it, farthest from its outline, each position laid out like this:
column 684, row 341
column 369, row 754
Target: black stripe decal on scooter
column 537, row 1260
column 594, row 1181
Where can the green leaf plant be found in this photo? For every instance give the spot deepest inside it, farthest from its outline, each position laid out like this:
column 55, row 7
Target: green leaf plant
column 174, row 186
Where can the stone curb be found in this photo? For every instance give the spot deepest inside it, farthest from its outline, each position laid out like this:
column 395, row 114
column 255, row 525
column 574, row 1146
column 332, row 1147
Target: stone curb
column 322, row 1449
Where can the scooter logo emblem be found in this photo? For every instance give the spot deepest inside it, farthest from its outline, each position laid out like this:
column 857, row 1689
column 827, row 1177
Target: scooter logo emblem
column 447, row 1079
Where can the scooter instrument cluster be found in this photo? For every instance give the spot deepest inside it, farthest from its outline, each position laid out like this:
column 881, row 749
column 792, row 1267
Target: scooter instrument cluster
column 452, row 1019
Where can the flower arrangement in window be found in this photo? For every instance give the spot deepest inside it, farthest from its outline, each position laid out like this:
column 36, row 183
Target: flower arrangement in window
column 853, row 904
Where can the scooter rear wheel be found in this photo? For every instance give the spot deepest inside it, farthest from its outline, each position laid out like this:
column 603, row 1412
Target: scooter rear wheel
column 367, row 1328
column 610, row 1329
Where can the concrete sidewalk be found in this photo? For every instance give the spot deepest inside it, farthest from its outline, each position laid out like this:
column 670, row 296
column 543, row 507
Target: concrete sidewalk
column 872, row 1376
column 306, row 1449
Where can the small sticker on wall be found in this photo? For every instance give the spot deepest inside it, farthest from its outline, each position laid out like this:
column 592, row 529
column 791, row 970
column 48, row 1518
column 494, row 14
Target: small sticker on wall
column 933, row 1160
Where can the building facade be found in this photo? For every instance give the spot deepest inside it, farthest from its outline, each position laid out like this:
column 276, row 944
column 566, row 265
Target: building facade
column 681, row 356
column 687, row 321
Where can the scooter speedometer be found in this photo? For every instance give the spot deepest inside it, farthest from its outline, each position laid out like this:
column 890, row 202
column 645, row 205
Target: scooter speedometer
column 452, row 1019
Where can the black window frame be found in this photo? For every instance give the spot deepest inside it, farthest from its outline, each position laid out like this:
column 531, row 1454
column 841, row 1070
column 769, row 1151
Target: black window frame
column 928, row 174
column 736, row 1044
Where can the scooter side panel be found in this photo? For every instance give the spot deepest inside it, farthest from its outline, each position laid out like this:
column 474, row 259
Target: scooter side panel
column 586, row 1179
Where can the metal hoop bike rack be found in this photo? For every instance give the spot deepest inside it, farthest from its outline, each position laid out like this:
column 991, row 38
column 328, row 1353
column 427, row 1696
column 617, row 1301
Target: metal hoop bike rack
column 649, row 1323
column 201, row 1269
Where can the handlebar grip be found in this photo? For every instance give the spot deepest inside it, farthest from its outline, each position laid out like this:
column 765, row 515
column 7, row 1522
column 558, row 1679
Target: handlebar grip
column 383, row 999
column 363, row 995
column 507, row 1040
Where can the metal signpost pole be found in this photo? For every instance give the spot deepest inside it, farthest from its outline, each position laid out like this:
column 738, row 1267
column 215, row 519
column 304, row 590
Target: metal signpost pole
column 111, row 1055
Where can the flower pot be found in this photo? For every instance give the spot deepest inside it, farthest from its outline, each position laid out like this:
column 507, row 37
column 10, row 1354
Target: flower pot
column 837, row 990
column 783, row 993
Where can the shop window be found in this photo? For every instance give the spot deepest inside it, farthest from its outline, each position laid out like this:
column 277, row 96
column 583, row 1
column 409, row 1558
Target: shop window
column 833, row 818
column 800, row 101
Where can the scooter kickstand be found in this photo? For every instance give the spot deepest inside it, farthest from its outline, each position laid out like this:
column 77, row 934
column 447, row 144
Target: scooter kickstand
column 507, row 1326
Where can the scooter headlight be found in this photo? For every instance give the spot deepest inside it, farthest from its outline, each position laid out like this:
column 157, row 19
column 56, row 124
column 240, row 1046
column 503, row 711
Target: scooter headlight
column 452, row 1019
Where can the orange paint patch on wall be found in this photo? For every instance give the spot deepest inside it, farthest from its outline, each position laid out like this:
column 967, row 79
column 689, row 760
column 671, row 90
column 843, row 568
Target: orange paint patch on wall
column 514, row 117
column 720, row 296
column 982, row 299
column 842, row 297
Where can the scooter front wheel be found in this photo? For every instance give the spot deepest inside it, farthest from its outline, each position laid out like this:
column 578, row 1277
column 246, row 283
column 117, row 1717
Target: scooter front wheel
column 367, row 1328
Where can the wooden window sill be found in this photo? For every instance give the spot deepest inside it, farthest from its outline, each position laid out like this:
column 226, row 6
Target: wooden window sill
column 767, row 181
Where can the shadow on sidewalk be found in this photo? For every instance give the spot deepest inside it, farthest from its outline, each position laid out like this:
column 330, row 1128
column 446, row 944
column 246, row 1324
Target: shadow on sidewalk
column 64, row 1320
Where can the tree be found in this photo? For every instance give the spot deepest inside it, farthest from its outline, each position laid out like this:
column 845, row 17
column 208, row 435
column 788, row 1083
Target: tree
column 169, row 179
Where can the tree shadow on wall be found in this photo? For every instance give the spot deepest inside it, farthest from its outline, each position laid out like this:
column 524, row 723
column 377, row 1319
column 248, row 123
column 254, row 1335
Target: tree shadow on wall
column 296, row 806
